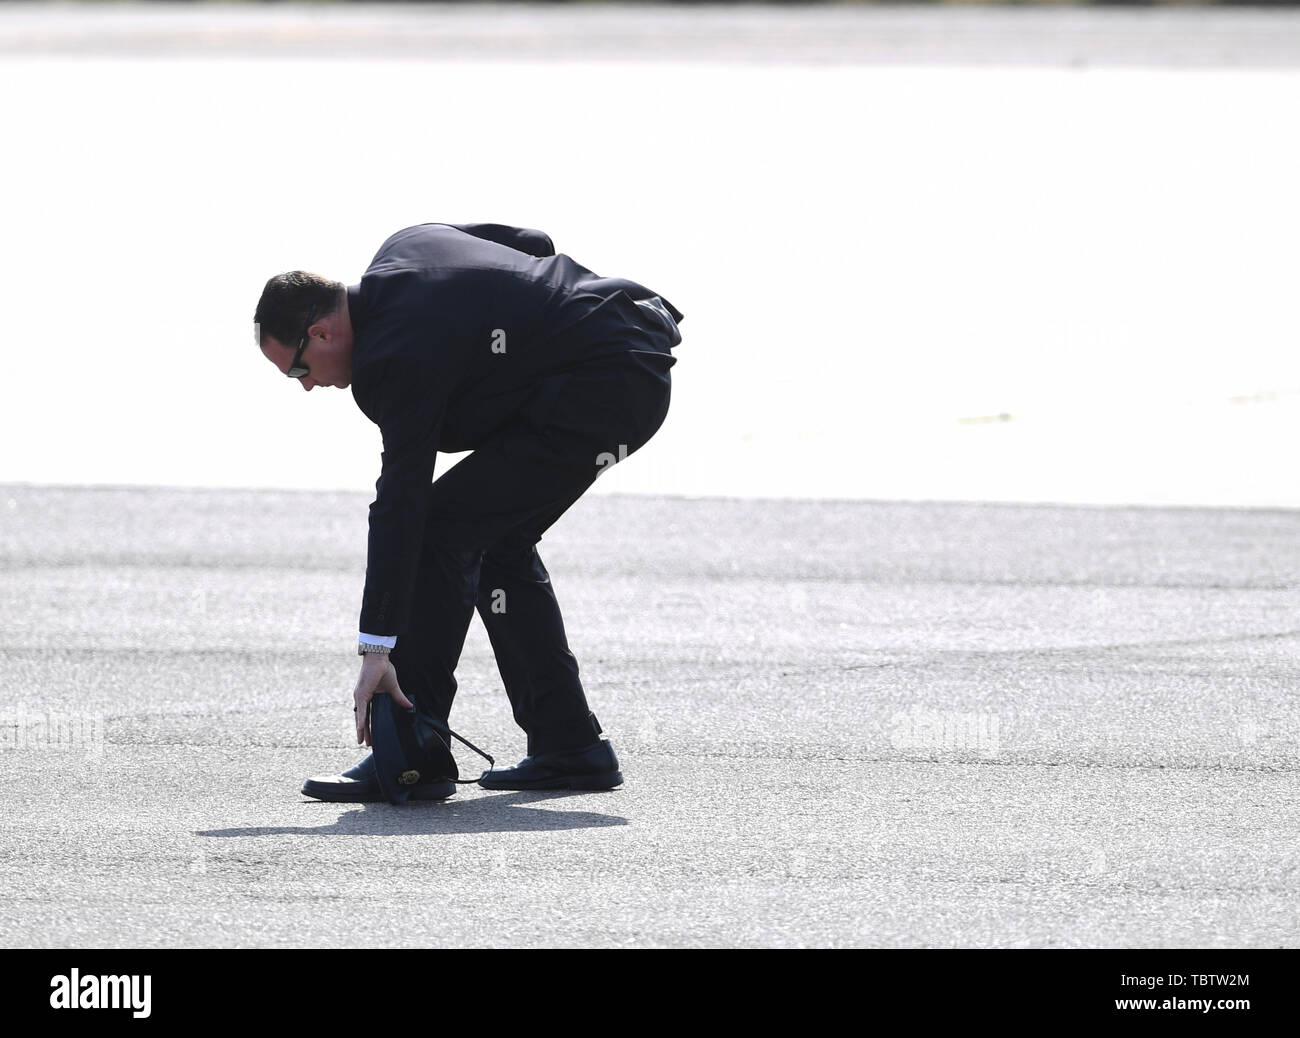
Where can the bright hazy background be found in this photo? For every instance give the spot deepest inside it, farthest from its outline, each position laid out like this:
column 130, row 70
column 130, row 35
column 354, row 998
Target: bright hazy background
column 945, row 280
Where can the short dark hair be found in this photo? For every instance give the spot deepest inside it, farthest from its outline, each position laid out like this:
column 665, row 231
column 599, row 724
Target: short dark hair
column 288, row 299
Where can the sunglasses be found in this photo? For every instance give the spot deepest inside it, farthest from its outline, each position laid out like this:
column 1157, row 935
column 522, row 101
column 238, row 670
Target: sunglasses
column 298, row 369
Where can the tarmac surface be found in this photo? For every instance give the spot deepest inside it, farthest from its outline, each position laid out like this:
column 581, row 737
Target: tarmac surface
column 842, row 724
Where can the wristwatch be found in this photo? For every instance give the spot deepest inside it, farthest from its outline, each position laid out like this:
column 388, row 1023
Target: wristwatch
column 367, row 647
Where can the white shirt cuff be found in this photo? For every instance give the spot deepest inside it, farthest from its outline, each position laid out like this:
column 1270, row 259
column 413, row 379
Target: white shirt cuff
column 387, row 640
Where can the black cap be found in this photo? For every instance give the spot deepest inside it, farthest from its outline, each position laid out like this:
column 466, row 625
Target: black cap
column 410, row 748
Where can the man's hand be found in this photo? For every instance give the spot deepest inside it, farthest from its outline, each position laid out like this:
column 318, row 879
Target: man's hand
column 378, row 676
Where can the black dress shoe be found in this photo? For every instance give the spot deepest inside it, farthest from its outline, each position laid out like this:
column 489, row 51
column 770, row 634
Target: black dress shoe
column 360, row 785
column 592, row 767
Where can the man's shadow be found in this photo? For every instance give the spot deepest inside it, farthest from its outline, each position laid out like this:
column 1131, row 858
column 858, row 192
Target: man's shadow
column 493, row 813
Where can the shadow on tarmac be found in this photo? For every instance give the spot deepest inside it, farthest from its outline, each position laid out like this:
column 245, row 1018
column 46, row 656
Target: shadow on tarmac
column 487, row 814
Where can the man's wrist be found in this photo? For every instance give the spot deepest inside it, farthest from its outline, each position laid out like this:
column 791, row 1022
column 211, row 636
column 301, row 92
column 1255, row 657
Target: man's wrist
column 379, row 644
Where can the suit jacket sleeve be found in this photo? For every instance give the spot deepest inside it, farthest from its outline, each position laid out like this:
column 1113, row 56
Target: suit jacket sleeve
column 409, row 419
column 522, row 239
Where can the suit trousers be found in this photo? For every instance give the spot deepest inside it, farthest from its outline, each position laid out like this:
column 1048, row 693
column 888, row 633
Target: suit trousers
column 486, row 515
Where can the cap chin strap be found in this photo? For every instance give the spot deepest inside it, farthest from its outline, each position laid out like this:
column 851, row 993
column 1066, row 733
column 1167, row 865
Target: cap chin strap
column 485, row 756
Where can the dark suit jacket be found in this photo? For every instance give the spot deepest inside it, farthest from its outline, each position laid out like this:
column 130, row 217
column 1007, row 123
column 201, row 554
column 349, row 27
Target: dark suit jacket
column 455, row 327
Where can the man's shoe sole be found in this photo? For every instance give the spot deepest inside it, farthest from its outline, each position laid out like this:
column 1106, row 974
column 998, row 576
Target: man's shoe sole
column 604, row 780
column 362, row 795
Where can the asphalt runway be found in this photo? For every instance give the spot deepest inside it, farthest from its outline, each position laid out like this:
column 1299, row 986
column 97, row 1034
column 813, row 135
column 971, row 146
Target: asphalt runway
column 842, row 725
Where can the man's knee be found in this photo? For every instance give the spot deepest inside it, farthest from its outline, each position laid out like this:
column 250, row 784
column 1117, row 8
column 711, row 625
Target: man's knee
column 515, row 559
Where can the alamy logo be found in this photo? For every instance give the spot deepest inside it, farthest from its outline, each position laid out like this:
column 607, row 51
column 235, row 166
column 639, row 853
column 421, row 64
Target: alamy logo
column 945, row 730
column 52, row 730
column 606, row 459
column 73, row 991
